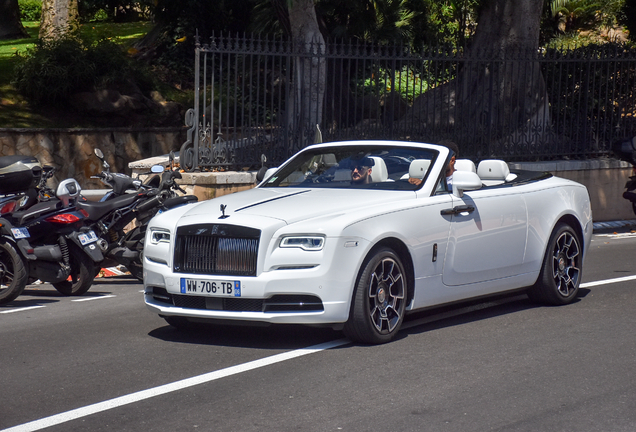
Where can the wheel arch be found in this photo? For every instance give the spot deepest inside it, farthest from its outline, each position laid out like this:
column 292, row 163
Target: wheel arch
column 403, row 253
column 575, row 224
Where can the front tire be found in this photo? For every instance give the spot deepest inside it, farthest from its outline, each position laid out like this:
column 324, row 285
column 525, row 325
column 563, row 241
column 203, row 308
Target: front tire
column 379, row 299
column 83, row 272
column 13, row 274
column 560, row 276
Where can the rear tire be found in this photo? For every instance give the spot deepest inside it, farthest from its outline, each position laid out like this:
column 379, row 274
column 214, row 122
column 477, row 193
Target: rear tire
column 83, row 272
column 13, row 274
column 560, row 276
column 379, row 300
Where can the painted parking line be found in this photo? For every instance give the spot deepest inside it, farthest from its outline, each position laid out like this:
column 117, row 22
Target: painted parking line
column 21, row 309
column 608, row 281
column 83, row 299
column 171, row 387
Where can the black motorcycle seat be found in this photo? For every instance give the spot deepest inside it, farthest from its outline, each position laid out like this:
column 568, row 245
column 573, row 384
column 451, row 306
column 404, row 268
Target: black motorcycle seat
column 180, row 200
column 96, row 210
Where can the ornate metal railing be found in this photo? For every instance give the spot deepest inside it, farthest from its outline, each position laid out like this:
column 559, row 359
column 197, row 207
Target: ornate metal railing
column 260, row 95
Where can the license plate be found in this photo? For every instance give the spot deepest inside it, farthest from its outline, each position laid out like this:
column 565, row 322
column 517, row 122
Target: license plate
column 87, row 238
column 19, row 233
column 215, row 288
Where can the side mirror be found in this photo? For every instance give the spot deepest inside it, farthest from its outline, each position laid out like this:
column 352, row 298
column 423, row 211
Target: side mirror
column 267, row 174
column 465, row 180
column 156, row 169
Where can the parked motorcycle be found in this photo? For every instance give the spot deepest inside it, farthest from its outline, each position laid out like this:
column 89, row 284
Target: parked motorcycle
column 625, row 150
column 131, row 200
column 46, row 239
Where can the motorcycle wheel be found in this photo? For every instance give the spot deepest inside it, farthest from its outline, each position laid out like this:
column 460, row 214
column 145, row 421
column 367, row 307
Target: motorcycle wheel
column 13, row 274
column 135, row 240
column 83, row 272
column 136, row 270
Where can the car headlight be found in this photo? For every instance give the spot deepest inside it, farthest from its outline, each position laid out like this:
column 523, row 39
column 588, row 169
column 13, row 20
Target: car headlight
column 159, row 236
column 308, row 243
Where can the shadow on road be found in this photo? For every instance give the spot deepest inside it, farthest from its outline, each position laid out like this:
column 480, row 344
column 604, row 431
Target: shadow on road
column 285, row 337
column 289, row 337
column 473, row 311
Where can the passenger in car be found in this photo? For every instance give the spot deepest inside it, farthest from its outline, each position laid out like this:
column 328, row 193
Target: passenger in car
column 450, row 169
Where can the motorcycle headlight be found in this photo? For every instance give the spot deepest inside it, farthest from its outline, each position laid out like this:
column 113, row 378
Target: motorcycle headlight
column 308, row 243
column 159, row 236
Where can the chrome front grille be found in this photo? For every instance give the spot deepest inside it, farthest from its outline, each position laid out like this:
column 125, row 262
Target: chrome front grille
column 216, row 249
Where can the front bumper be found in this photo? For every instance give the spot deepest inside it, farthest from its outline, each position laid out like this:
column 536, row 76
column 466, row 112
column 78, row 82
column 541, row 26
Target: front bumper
column 291, row 296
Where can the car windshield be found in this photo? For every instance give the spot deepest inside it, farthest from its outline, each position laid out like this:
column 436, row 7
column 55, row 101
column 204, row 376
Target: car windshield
column 359, row 166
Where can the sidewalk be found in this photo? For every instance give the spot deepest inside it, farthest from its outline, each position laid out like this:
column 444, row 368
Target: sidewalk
column 623, row 225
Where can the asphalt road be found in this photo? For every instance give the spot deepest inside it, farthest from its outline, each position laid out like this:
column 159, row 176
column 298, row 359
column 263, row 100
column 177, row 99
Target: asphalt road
column 104, row 363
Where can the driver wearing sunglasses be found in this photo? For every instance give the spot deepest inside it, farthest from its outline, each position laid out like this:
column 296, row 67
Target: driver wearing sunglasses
column 361, row 171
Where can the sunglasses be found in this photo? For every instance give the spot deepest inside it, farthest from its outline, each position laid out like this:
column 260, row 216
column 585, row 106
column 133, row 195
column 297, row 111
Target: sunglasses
column 360, row 168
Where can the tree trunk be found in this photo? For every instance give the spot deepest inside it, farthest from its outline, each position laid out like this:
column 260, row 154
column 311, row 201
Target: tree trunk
column 10, row 25
column 58, row 18
column 309, row 71
column 498, row 99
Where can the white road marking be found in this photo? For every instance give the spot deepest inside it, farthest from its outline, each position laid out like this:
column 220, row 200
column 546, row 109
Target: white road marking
column 75, row 414
column 21, row 309
column 607, row 281
column 83, row 299
column 171, row 387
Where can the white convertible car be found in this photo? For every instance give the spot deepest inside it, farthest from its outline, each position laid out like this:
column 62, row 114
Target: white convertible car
column 357, row 234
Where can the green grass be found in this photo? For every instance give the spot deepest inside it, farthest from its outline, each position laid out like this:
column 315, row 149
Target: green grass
column 14, row 110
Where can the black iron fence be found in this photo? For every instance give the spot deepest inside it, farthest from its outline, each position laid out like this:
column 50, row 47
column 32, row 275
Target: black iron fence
column 259, row 95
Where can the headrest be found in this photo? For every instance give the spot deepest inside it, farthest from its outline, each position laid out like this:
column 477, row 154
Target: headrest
column 418, row 168
column 465, row 165
column 493, row 169
column 379, row 173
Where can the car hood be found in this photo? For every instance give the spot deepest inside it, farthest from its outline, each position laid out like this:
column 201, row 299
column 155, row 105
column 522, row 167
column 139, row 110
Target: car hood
column 289, row 205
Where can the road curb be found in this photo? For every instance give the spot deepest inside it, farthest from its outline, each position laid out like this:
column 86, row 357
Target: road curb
column 614, row 225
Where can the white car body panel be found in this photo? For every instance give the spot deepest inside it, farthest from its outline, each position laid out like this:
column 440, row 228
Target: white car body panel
column 497, row 247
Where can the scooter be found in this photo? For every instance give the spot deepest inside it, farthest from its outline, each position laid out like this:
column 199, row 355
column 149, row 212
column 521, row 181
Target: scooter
column 625, row 150
column 130, row 200
column 49, row 241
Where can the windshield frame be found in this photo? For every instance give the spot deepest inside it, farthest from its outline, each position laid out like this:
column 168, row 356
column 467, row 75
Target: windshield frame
column 324, row 166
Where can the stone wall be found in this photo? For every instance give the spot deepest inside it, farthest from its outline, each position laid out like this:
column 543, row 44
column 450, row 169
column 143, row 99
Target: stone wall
column 132, row 151
column 70, row 151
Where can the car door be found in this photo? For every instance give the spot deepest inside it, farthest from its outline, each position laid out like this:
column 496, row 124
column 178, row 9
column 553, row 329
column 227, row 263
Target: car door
column 487, row 240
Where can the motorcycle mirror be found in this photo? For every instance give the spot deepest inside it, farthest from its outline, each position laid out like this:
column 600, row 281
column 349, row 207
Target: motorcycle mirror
column 261, row 174
column 157, row 169
column 100, row 155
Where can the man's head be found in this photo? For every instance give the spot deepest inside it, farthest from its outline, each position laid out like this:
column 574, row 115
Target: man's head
column 454, row 155
column 361, row 170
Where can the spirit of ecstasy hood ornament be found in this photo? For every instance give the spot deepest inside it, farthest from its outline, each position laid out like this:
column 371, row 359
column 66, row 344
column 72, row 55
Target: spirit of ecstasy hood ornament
column 223, row 207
